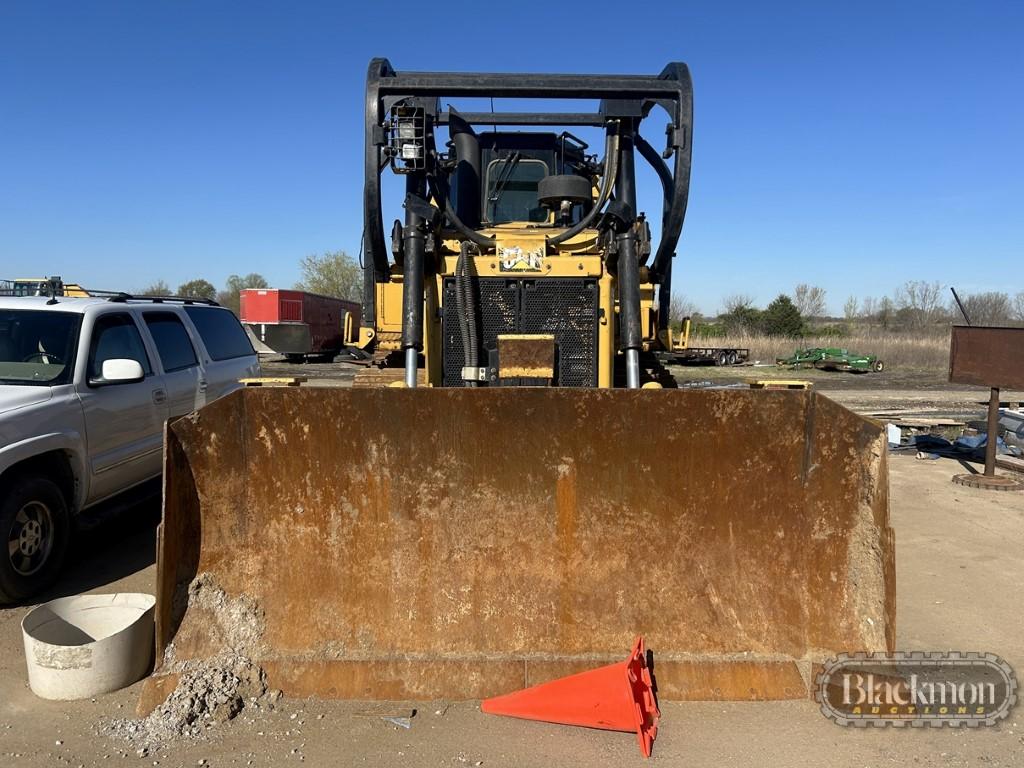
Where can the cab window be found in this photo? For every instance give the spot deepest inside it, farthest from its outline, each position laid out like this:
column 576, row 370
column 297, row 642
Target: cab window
column 172, row 341
column 116, row 337
column 512, row 190
column 220, row 331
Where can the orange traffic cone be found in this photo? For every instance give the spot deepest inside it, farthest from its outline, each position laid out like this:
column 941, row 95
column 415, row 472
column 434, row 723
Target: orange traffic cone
column 618, row 697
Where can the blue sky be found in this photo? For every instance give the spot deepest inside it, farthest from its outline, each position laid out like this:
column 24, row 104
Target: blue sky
column 852, row 146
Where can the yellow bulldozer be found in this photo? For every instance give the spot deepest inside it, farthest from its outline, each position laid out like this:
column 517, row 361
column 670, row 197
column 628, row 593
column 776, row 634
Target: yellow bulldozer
column 515, row 489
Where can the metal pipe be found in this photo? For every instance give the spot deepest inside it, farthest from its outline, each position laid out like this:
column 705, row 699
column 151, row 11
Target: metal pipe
column 628, row 262
column 368, row 317
column 632, row 369
column 411, row 367
column 374, row 250
column 681, row 145
column 414, row 240
column 467, row 175
column 625, row 179
column 993, row 432
column 629, row 305
column 537, row 86
column 665, row 296
column 595, row 119
column 960, row 304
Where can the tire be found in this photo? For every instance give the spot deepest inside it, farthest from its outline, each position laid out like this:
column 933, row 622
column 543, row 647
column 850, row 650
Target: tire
column 35, row 524
column 879, row 366
column 732, row 357
column 723, row 359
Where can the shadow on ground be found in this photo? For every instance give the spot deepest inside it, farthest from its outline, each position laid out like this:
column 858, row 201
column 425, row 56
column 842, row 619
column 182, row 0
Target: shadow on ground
column 113, row 543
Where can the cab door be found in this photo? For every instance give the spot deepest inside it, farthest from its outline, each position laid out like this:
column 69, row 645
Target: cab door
column 123, row 420
column 183, row 377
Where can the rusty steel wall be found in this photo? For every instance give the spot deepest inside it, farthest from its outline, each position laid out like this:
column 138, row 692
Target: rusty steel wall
column 987, row 356
column 461, row 543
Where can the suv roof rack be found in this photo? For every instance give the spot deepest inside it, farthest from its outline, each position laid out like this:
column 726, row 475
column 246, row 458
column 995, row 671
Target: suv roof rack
column 121, row 296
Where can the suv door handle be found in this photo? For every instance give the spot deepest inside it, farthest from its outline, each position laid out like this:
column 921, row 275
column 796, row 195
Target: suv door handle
column 159, row 396
column 202, row 385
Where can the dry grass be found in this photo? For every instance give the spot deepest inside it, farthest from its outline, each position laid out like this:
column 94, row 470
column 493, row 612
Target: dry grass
column 897, row 350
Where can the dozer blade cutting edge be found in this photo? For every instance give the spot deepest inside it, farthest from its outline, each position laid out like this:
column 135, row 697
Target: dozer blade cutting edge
column 462, row 543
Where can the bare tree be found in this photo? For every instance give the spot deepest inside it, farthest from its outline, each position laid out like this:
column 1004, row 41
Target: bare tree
column 886, row 311
column 850, row 308
column 681, row 307
column 990, row 308
column 736, row 302
column 1018, row 306
column 159, row 288
column 920, row 302
column 810, row 300
column 869, row 308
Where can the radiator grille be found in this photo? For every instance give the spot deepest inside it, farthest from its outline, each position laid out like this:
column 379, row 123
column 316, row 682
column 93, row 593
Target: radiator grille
column 565, row 308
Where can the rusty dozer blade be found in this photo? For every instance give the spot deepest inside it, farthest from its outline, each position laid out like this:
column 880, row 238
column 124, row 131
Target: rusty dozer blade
column 461, row 543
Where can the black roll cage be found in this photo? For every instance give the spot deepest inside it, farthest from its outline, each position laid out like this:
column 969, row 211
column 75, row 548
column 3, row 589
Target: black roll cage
column 626, row 97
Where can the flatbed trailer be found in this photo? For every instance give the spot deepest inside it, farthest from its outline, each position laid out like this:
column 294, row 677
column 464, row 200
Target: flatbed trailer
column 709, row 356
column 681, row 353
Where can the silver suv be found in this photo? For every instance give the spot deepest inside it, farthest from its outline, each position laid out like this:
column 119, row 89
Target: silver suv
column 86, row 385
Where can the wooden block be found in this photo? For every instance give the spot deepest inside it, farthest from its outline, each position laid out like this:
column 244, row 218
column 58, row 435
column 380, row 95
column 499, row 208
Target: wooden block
column 780, row 384
column 274, row 381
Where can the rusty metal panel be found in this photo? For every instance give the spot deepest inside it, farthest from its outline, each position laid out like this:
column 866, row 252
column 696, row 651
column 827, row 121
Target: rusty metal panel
column 526, row 355
column 989, row 357
column 460, row 543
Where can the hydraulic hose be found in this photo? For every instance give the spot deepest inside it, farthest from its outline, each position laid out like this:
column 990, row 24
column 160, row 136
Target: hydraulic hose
column 611, row 168
column 465, row 302
column 453, row 218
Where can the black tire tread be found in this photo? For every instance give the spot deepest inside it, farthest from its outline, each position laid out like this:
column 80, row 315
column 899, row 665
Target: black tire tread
column 13, row 586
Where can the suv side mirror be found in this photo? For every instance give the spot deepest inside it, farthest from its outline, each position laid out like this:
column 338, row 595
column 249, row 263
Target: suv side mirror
column 120, row 371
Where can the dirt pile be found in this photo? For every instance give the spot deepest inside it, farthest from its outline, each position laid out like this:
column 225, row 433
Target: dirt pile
column 207, row 695
column 212, row 691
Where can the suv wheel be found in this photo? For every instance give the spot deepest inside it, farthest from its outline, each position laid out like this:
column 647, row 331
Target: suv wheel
column 34, row 530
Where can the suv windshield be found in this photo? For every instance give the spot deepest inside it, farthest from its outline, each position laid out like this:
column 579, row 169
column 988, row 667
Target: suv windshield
column 37, row 347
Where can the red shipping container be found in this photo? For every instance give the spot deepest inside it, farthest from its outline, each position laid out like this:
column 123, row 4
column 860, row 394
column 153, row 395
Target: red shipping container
column 297, row 322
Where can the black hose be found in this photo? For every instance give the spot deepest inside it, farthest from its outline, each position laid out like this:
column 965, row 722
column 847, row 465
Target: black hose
column 455, row 221
column 460, row 307
column 474, row 339
column 465, row 301
column 611, row 169
column 653, row 158
column 611, row 165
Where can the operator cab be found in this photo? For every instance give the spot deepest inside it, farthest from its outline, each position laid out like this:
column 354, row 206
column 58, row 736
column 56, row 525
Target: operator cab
column 514, row 167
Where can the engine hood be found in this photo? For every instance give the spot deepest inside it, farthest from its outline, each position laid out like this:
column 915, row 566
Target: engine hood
column 14, row 396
